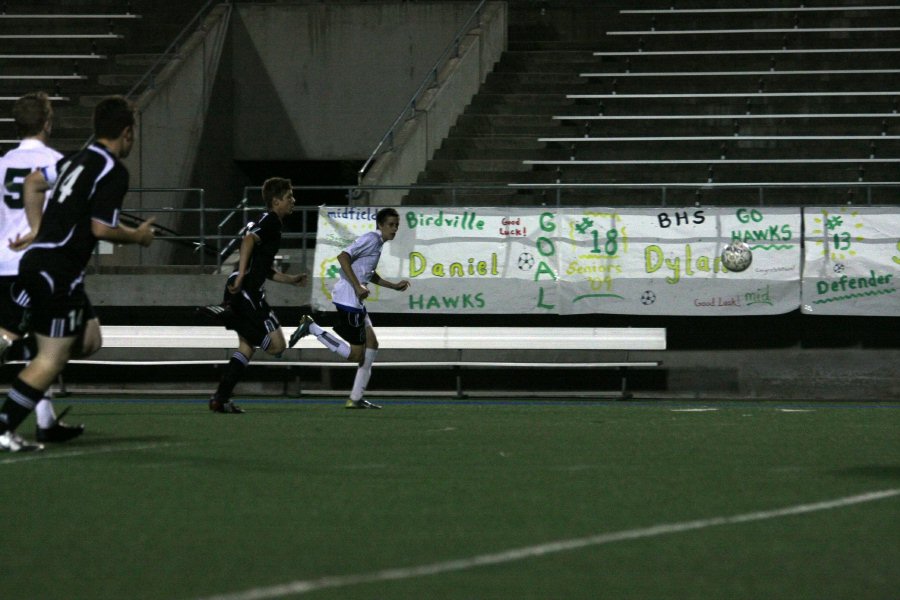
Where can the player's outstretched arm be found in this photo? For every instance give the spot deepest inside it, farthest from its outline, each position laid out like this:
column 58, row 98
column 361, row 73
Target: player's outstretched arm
column 298, row 280
column 143, row 234
column 400, row 286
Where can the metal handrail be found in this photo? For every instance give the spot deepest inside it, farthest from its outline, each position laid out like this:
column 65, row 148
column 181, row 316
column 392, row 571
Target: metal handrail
column 859, row 194
column 170, row 51
column 431, row 77
column 165, row 56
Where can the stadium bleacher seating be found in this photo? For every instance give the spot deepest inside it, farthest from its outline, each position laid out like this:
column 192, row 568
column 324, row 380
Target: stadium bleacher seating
column 77, row 52
column 684, row 93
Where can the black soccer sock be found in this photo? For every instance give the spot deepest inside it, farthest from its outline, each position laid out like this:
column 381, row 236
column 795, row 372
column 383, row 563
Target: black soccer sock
column 22, row 349
column 20, row 401
column 233, row 371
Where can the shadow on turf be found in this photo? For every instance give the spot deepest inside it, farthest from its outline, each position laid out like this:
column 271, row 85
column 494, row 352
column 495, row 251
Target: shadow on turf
column 88, row 441
column 889, row 472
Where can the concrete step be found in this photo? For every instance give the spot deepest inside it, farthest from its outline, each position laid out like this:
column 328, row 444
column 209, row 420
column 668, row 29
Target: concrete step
column 721, row 173
column 707, row 195
column 513, row 77
column 598, row 41
column 750, row 103
column 774, row 59
column 67, row 26
column 561, row 107
column 674, row 20
column 486, row 177
column 488, row 125
column 635, row 83
column 455, row 165
column 144, row 61
column 529, row 143
column 485, row 154
column 486, row 98
column 517, row 125
column 733, row 148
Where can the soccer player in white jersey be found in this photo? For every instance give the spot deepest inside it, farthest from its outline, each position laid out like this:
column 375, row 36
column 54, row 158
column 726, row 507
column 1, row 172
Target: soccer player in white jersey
column 33, row 117
column 357, row 341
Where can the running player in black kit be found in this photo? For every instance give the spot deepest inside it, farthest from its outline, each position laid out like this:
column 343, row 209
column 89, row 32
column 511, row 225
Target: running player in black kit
column 84, row 207
column 244, row 308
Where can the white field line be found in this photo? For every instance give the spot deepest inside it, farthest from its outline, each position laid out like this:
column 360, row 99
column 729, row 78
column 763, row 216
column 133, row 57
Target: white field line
column 516, row 554
column 33, row 456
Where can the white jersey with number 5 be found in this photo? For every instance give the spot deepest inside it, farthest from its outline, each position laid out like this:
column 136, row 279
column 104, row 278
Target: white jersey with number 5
column 30, row 155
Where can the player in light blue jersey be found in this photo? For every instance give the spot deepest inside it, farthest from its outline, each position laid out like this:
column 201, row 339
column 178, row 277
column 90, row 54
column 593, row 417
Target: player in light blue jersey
column 355, row 338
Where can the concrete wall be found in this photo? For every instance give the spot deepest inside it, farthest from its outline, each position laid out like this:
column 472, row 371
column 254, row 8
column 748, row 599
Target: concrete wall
column 172, row 128
column 285, row 82
column 418, row 138
column 323, row 81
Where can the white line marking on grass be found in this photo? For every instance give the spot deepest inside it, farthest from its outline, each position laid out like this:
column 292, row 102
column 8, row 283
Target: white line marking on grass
column 694, row 409
column 31, row 456
column 515, row 554
column 793, row 410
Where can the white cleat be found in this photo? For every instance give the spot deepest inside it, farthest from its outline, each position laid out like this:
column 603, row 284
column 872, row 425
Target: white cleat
column 10, row 442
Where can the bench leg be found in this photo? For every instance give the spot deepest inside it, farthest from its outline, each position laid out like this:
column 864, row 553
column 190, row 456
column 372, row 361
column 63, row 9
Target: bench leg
column 459, row 387
column 62, row 392
column 625, row 394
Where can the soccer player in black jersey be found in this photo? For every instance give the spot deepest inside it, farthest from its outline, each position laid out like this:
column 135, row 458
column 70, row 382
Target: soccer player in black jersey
column 244, row 308
column 83, row 207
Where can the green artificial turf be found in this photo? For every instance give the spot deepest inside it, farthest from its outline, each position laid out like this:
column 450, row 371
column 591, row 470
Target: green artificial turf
column 161, row 499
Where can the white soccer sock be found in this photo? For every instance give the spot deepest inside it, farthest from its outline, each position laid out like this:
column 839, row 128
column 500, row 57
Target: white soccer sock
column 44, row 414
column 332, row 342
column 363, row 373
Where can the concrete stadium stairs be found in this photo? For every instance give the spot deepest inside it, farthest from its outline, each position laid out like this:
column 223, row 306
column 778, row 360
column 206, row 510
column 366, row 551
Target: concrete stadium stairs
column 502, row 136
column 79, row 60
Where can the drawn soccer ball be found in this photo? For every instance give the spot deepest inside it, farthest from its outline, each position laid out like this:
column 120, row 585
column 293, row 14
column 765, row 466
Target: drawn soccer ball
column 737, row 256
column 648, row 298
column 526, row 261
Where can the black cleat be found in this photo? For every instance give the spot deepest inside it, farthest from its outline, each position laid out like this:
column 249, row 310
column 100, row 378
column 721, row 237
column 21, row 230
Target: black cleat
column 59, row 431
column 229, row 408
column 302, row 330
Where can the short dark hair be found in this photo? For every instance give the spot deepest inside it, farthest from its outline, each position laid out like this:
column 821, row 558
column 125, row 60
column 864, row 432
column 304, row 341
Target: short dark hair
column 31, row 112
column 383, row 215
column 111, row 116
column 275, row 187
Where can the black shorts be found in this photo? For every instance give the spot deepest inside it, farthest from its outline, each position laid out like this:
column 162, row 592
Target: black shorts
column 252, row 317
column 54, row 305
column 351, row 326
column 10, row 313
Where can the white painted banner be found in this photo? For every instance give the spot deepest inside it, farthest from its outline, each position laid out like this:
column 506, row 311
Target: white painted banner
column 851, row 261
column 568, row 261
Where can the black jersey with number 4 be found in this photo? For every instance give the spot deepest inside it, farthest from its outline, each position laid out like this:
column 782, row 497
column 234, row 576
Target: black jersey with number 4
column 90, row 185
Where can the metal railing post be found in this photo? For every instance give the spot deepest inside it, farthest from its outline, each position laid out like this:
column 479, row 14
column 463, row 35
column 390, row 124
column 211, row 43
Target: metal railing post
column 202, row 229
